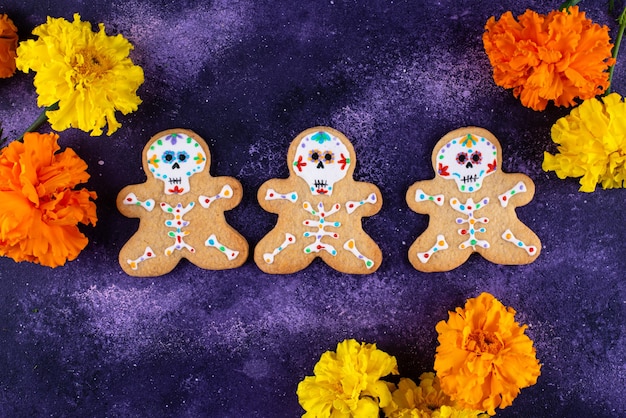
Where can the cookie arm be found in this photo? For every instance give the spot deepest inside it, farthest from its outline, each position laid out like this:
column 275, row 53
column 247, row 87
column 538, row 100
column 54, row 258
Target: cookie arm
column 131, row 204
column 274, row 194
column 518, row 190
column 370, row 199
column 228, row 195
column 422, row 199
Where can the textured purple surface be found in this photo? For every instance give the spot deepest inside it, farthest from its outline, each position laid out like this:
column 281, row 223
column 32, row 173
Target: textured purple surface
column 87, row 340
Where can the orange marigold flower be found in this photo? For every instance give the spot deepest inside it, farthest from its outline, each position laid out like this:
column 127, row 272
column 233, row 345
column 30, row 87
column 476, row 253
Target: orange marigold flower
column 8, row 45
column 559, row 56
column 484, row 358
column 39, row 207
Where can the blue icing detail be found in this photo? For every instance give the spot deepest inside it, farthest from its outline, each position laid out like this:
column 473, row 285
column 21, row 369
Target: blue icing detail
column 320, row 137
column 422, row 197
column 147, row 203
column 334, row 252
column 293, row 196
column 211, row 242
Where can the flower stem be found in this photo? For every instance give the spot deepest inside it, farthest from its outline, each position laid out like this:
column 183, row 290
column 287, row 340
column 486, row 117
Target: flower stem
column 41, row 119
column 620, row 34
column 569, row 3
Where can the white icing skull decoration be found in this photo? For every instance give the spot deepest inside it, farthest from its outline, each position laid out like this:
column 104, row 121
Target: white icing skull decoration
column 321, row 160
column 173, row 159
column 467, row 160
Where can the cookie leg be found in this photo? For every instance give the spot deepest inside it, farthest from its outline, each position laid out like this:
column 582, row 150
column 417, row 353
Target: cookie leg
column 281, row 254
column 149, row 263
column 430, row 253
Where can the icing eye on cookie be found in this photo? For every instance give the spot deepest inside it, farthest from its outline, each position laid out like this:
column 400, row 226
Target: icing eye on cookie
column 169, row 157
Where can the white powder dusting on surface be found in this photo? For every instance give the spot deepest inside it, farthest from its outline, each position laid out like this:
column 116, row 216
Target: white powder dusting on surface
column 171, row 46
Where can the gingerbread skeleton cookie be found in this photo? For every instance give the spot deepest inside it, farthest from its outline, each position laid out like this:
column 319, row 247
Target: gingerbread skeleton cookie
column 471, row 203
column 181, row 209
column 319, row 209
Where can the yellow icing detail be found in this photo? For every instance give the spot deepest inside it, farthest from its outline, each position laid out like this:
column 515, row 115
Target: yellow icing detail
column 153, row 161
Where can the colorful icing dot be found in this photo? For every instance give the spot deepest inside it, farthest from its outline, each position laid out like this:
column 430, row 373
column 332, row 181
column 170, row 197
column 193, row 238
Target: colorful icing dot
column 368, row 263
column 351, row 244
column 211, row 242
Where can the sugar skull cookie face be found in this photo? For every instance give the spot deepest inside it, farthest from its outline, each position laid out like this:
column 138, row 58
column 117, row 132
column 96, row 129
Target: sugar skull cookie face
column 321, row 160
column 467, row 160
column 173, row 159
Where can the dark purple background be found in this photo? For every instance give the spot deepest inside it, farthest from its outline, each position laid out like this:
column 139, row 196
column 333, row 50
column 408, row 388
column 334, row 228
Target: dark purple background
column 248, row 76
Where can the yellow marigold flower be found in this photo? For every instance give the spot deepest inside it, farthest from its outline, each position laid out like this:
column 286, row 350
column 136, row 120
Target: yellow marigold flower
column 484, row 358
column 425, row 401
column 558, row 57
column 347, row 383
column 592, row 144
column 8, row 45
column 88, row 73
column 39, row 207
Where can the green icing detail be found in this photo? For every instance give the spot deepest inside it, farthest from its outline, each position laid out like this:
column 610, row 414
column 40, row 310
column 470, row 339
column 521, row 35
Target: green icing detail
column 222, row 248
column 368, row 263
column 160, row 142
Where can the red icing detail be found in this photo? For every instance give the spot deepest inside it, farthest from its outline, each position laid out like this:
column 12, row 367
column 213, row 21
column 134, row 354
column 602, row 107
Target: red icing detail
column 322, row 191
column 504, row 198
column 271, row 194
column 469, row 208
column 129, row 199
column 426, row 255
column 149, row 254
column 438, row 199
column 232, row 254
column 179, row 239
column 531, row 249
column 443, row 170
column 343, row 162
column 207, row 200
column 322, row 214
column 492, row 166
column 350, row 205
column 299, row 164
column 335, row 235
column 289, row 239
column 163, row 204
column 176, row 190
column 319, row 247
column 463, row 232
